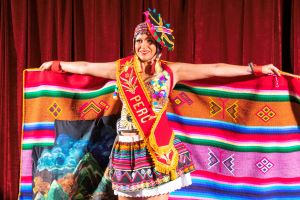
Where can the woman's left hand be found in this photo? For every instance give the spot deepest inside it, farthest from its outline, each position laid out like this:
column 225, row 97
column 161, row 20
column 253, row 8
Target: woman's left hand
column 270, row 69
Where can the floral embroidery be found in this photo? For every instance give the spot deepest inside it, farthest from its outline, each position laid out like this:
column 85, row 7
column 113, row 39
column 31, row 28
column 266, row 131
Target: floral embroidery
column 130, row 82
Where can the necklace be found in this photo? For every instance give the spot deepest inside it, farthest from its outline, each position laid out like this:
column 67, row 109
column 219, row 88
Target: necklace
column 159, row 86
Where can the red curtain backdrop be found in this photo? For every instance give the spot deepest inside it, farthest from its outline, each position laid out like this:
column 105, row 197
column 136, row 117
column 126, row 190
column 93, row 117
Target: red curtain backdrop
column 295, row 37
column 206, row 31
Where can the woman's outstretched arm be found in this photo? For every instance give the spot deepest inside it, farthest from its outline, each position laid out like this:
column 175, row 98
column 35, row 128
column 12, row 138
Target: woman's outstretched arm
column 187, row 71
column 104, row 70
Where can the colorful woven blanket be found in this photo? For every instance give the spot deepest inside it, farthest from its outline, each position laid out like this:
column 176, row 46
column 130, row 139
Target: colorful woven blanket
column 244, row 135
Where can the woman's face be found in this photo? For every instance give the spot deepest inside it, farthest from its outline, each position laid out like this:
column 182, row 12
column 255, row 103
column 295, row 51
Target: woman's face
column 145, row 47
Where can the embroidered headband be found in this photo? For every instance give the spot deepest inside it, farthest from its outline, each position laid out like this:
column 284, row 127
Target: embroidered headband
column 141, row 28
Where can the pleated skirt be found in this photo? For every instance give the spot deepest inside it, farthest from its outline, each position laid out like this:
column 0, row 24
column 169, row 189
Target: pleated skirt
column 132, row 171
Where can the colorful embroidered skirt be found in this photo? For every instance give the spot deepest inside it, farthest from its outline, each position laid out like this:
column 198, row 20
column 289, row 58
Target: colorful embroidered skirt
column 132, row 170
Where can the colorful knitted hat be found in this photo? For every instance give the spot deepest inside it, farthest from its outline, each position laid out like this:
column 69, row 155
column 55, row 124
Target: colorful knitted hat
column 159, row 29
column 141, row 28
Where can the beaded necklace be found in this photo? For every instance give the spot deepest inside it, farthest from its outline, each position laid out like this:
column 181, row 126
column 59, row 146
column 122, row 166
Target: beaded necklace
column 160, row 89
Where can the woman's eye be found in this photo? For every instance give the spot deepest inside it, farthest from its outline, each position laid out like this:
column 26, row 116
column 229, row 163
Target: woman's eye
column 150, row 41
column 138, row 41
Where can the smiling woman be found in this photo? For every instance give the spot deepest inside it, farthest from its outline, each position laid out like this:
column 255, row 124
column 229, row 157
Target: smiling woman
column 145, row 47
column 147, row 160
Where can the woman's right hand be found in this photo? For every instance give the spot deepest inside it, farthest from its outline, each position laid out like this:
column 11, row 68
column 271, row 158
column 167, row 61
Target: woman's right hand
column 46, row 66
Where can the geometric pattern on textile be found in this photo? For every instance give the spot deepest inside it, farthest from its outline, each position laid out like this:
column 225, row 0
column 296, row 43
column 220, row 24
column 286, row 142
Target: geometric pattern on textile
column 229, row 163
column 184, row 96
column 177, row 101
column 181, row 99
column 231, row 110
column 266, row 113
column 264, row 165
column 55, row 110
column 143, row 174
column 214, row 160
column 214, row 108
column 92, row 107
column 237, row 149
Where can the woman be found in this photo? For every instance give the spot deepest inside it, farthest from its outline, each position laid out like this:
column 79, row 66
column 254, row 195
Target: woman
column 147, row 161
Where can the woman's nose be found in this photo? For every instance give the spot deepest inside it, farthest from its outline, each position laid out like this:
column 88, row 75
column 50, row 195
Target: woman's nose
column 144, row 43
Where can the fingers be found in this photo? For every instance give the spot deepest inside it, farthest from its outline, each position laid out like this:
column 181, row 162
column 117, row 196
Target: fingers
column 42, row 67
column 275, row 70
column 46, row 65
column 271, row 69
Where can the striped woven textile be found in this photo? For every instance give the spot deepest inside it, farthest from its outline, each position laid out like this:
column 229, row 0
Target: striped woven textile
column 243, row 133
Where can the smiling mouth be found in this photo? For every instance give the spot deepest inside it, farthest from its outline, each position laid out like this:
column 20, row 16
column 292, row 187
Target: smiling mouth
column 144, row 52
